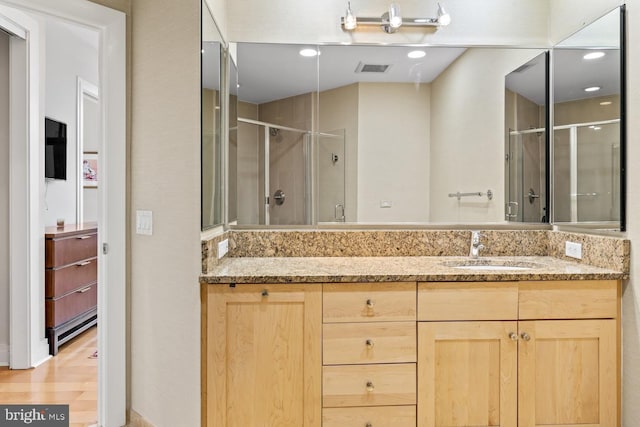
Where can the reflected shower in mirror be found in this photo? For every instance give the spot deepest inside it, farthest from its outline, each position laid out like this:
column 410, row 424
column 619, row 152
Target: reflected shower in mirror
column 372, row 134
column 588, row 132
column 211, row 142
column 526, row 119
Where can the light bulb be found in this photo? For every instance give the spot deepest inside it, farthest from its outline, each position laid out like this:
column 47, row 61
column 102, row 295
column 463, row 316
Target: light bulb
column 443, row 17
column 395, row 20
column 350, row 22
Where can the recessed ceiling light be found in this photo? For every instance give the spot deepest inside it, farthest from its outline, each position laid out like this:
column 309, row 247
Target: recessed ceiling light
column 309, row 53
column 594, row 55
column 597, row 128
column 592, row 89
column 606, row 103
column 415, row 54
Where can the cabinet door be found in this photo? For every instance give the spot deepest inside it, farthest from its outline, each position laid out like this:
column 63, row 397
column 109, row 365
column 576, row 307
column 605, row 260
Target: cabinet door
column 567, row 373
column 467, row 374
column 263, row 356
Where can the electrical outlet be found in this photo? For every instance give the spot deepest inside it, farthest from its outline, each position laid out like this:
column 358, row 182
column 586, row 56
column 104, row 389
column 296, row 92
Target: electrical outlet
column 144, row 222
column 223, row 248
column 573, row 250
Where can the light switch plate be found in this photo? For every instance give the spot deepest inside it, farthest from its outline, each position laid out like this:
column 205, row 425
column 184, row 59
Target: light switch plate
column 223, row 248
column 573, row 250
column 144, row 222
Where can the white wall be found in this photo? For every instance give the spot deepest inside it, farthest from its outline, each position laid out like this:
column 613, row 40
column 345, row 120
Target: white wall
column 165, row 178
column 393, row 153
column 71, row 51
column 4, row 199
column 467, row 134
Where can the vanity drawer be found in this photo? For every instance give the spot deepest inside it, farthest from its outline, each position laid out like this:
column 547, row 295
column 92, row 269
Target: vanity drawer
column 380, row 416
column 60, row 281
column 369, row 385
column 69, row 306
column 67, row 250
column 356, row 343
column 369, row 302
column 468, row 301
column 580, row 299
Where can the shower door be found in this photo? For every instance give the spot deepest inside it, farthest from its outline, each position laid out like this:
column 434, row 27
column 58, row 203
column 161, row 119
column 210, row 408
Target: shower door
column 330, row 188
column 526, row 169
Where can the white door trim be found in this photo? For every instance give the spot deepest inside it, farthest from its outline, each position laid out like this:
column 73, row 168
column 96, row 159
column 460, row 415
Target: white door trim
column 111, row 25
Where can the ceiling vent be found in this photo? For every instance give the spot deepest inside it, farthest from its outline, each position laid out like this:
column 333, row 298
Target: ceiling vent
column 372, row 68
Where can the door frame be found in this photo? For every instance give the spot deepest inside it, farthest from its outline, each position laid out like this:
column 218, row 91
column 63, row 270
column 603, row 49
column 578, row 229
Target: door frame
column 29, row 262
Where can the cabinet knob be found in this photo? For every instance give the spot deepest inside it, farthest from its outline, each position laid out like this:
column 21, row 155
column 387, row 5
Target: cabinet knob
column 525, row 336
column 513, row 336
column 265, row 293
column 369, row 343
column 368, row 425
column 370, row 303
column 370, row 386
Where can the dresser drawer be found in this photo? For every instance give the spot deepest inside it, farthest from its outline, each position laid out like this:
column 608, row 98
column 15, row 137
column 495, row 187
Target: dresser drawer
column 583, row 299
column 468, row 301
column 379, row 416
column 380, row 342
column 369, row 385
column 369, row 302
column 69, row 306
column 62, row 280
column 67, row 250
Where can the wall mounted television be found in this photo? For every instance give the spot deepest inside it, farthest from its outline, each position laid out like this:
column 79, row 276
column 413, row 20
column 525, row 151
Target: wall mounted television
column 55, row 149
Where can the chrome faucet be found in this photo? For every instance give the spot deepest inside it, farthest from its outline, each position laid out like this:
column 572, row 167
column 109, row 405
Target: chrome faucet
column 476, row 246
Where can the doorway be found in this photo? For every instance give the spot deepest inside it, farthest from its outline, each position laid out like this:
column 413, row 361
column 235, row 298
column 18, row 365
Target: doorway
column 21, row 19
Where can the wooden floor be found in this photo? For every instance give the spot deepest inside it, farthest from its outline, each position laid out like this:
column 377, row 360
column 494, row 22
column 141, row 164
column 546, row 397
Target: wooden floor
column 71, row 377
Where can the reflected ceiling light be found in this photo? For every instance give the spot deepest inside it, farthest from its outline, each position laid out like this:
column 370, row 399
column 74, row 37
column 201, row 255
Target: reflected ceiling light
column 594, row 55
column 350, row 21
column 309, row 53
column 606, row 103
column 415, row 54
column 597, row 128
column 592, row 89
column 391, row 20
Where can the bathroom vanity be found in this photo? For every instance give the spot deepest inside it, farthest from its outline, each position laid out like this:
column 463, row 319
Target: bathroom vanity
column 410, row 341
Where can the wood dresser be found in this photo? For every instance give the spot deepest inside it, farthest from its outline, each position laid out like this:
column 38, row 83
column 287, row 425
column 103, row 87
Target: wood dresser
column 71, row 281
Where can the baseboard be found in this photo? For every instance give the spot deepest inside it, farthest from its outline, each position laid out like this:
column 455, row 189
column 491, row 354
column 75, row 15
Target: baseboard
column 137, row 420
column 41, row 353
column 4, row 355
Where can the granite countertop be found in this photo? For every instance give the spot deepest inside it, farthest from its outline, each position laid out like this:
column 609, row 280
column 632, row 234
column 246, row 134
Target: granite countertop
column 397, row 269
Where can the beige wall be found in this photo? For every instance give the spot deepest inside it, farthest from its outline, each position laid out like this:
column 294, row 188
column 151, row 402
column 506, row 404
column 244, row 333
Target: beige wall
column 393, row 152
column 165, row 178
column 467, row 130
column 248, row 166
column 4, row 198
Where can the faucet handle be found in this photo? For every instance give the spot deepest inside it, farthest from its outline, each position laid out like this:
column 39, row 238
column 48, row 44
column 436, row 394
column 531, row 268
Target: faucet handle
column 475, row 236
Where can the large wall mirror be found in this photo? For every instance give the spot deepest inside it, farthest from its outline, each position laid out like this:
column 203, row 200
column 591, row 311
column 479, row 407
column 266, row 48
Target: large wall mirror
column 376, row 134
column 211, row 123
column 589, row 127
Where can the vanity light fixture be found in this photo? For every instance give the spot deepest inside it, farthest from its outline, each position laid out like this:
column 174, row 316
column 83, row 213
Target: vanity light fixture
column 391, row 20
column 593, row 55
column 592, row 89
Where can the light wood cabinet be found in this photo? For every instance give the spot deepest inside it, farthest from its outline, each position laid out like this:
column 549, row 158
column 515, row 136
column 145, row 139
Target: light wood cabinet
column 262, row 355
column 567, row 370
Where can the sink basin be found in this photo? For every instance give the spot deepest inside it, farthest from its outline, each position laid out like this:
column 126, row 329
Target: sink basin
column 491, row 264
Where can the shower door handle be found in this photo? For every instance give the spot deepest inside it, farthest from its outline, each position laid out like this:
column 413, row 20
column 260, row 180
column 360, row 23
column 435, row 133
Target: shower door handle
column 339, row 209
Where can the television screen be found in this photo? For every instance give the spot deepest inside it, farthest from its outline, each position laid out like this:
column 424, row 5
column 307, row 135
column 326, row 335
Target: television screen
column 55, row 149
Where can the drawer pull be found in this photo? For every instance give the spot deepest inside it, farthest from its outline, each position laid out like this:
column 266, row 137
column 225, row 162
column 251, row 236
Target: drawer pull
column 265, row 293
column 370, row 303
column 368, row 425
column 83, row 290
column 525, row 336
column 83, row 237
column 369, row 343
column 513, row 336
column 82, row 264
column 370, row 386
